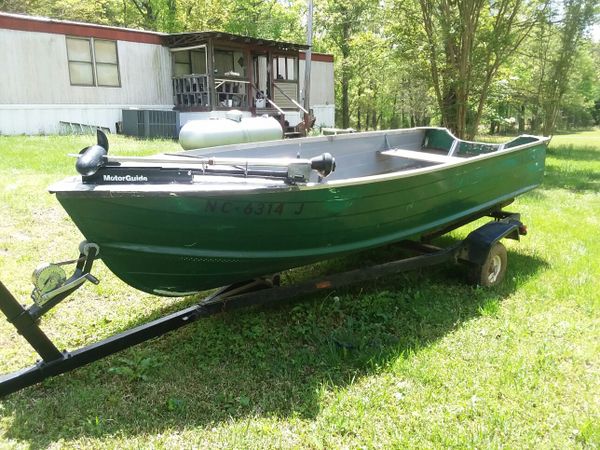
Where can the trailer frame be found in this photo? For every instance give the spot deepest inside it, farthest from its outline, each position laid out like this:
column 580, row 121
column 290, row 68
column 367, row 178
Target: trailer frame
column 473, row 251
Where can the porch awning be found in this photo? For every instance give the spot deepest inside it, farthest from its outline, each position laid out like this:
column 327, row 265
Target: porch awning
column 198, row 38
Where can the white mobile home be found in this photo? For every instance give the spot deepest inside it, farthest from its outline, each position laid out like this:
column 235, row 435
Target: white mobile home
column 60, row 72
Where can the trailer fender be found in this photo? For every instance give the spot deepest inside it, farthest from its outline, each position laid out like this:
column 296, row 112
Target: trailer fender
column 478, row 243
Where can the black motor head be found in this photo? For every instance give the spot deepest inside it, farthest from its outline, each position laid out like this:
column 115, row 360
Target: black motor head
column 324, row 164
column 92, row 158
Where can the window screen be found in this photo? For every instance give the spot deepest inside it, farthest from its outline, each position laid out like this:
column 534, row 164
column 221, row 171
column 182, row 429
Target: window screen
column 198, row 58
column 223, row 62
column 230, row 63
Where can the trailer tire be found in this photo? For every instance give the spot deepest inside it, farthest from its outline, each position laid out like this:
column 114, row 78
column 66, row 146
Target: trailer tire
column 492, row 271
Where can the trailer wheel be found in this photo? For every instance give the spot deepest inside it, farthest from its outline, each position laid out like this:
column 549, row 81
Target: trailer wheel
column 492, row 271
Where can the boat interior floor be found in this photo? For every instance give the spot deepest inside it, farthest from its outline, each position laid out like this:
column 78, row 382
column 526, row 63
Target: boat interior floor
column 362, row 155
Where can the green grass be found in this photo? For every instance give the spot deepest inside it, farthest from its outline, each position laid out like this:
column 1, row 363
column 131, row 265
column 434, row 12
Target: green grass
column 419, row 360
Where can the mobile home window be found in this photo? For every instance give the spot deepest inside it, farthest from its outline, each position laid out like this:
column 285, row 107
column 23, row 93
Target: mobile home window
column 107, row 64
column 81, row 67
column 230, row 62
column 189, row 62
column 93, row 62
column 286, row 68
column 182, row 63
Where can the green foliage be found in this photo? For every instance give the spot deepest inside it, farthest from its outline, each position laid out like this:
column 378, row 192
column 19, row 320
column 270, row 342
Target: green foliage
column 270, row 19
column 507, row 65
column 530, row 100
column 576, row 16
column 105, row 12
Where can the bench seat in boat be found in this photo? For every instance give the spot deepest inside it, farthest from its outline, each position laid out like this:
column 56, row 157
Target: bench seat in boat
column 421, row 156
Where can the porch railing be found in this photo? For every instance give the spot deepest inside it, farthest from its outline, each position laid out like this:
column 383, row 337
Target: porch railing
column 232, row 93
column 191, row 91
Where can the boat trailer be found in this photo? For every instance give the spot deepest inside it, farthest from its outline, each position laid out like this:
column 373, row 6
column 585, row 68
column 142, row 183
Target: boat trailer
column 481, row 251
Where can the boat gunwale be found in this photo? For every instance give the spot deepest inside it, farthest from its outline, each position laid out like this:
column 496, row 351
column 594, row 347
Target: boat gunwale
column 73, row 186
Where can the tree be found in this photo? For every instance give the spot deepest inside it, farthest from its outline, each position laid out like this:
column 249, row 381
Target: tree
column 105, row 12
column 578, row 14
column 550, row 98
column 339, row 21
column 408, row 78
column 157, row 15
column 193, row 15
column 468, row 41
column 272, row 19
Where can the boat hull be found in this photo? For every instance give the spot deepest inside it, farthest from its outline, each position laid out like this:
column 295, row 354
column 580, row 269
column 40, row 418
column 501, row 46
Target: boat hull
column 177, row 243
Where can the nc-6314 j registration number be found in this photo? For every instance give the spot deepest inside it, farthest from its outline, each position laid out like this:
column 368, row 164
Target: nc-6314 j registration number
column 255, row 208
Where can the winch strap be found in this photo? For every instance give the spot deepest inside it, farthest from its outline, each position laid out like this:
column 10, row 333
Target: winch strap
column 70, row 261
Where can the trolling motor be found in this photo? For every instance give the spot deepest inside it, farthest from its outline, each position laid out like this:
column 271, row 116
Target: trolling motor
column 96, row 167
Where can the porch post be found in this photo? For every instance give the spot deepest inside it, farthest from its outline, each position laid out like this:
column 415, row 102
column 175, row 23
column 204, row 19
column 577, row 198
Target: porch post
column 210, row 68
column 308, row 58
column 250, row 94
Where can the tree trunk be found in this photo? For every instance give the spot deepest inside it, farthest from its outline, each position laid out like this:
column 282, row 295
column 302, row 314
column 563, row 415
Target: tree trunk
column 522, row 119
column 345, row 100
column 450, row 116
column 345, row 77
column 393, row 119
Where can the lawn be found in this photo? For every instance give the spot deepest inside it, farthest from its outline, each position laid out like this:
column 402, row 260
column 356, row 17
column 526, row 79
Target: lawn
column 418, row 360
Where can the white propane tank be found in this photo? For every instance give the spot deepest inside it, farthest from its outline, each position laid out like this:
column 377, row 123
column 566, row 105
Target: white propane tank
column 234, row 129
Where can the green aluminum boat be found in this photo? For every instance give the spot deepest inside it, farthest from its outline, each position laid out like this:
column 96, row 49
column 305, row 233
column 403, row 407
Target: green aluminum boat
column 176, row 224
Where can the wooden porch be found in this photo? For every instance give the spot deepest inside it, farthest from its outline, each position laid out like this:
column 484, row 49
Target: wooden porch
column 220, row 71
